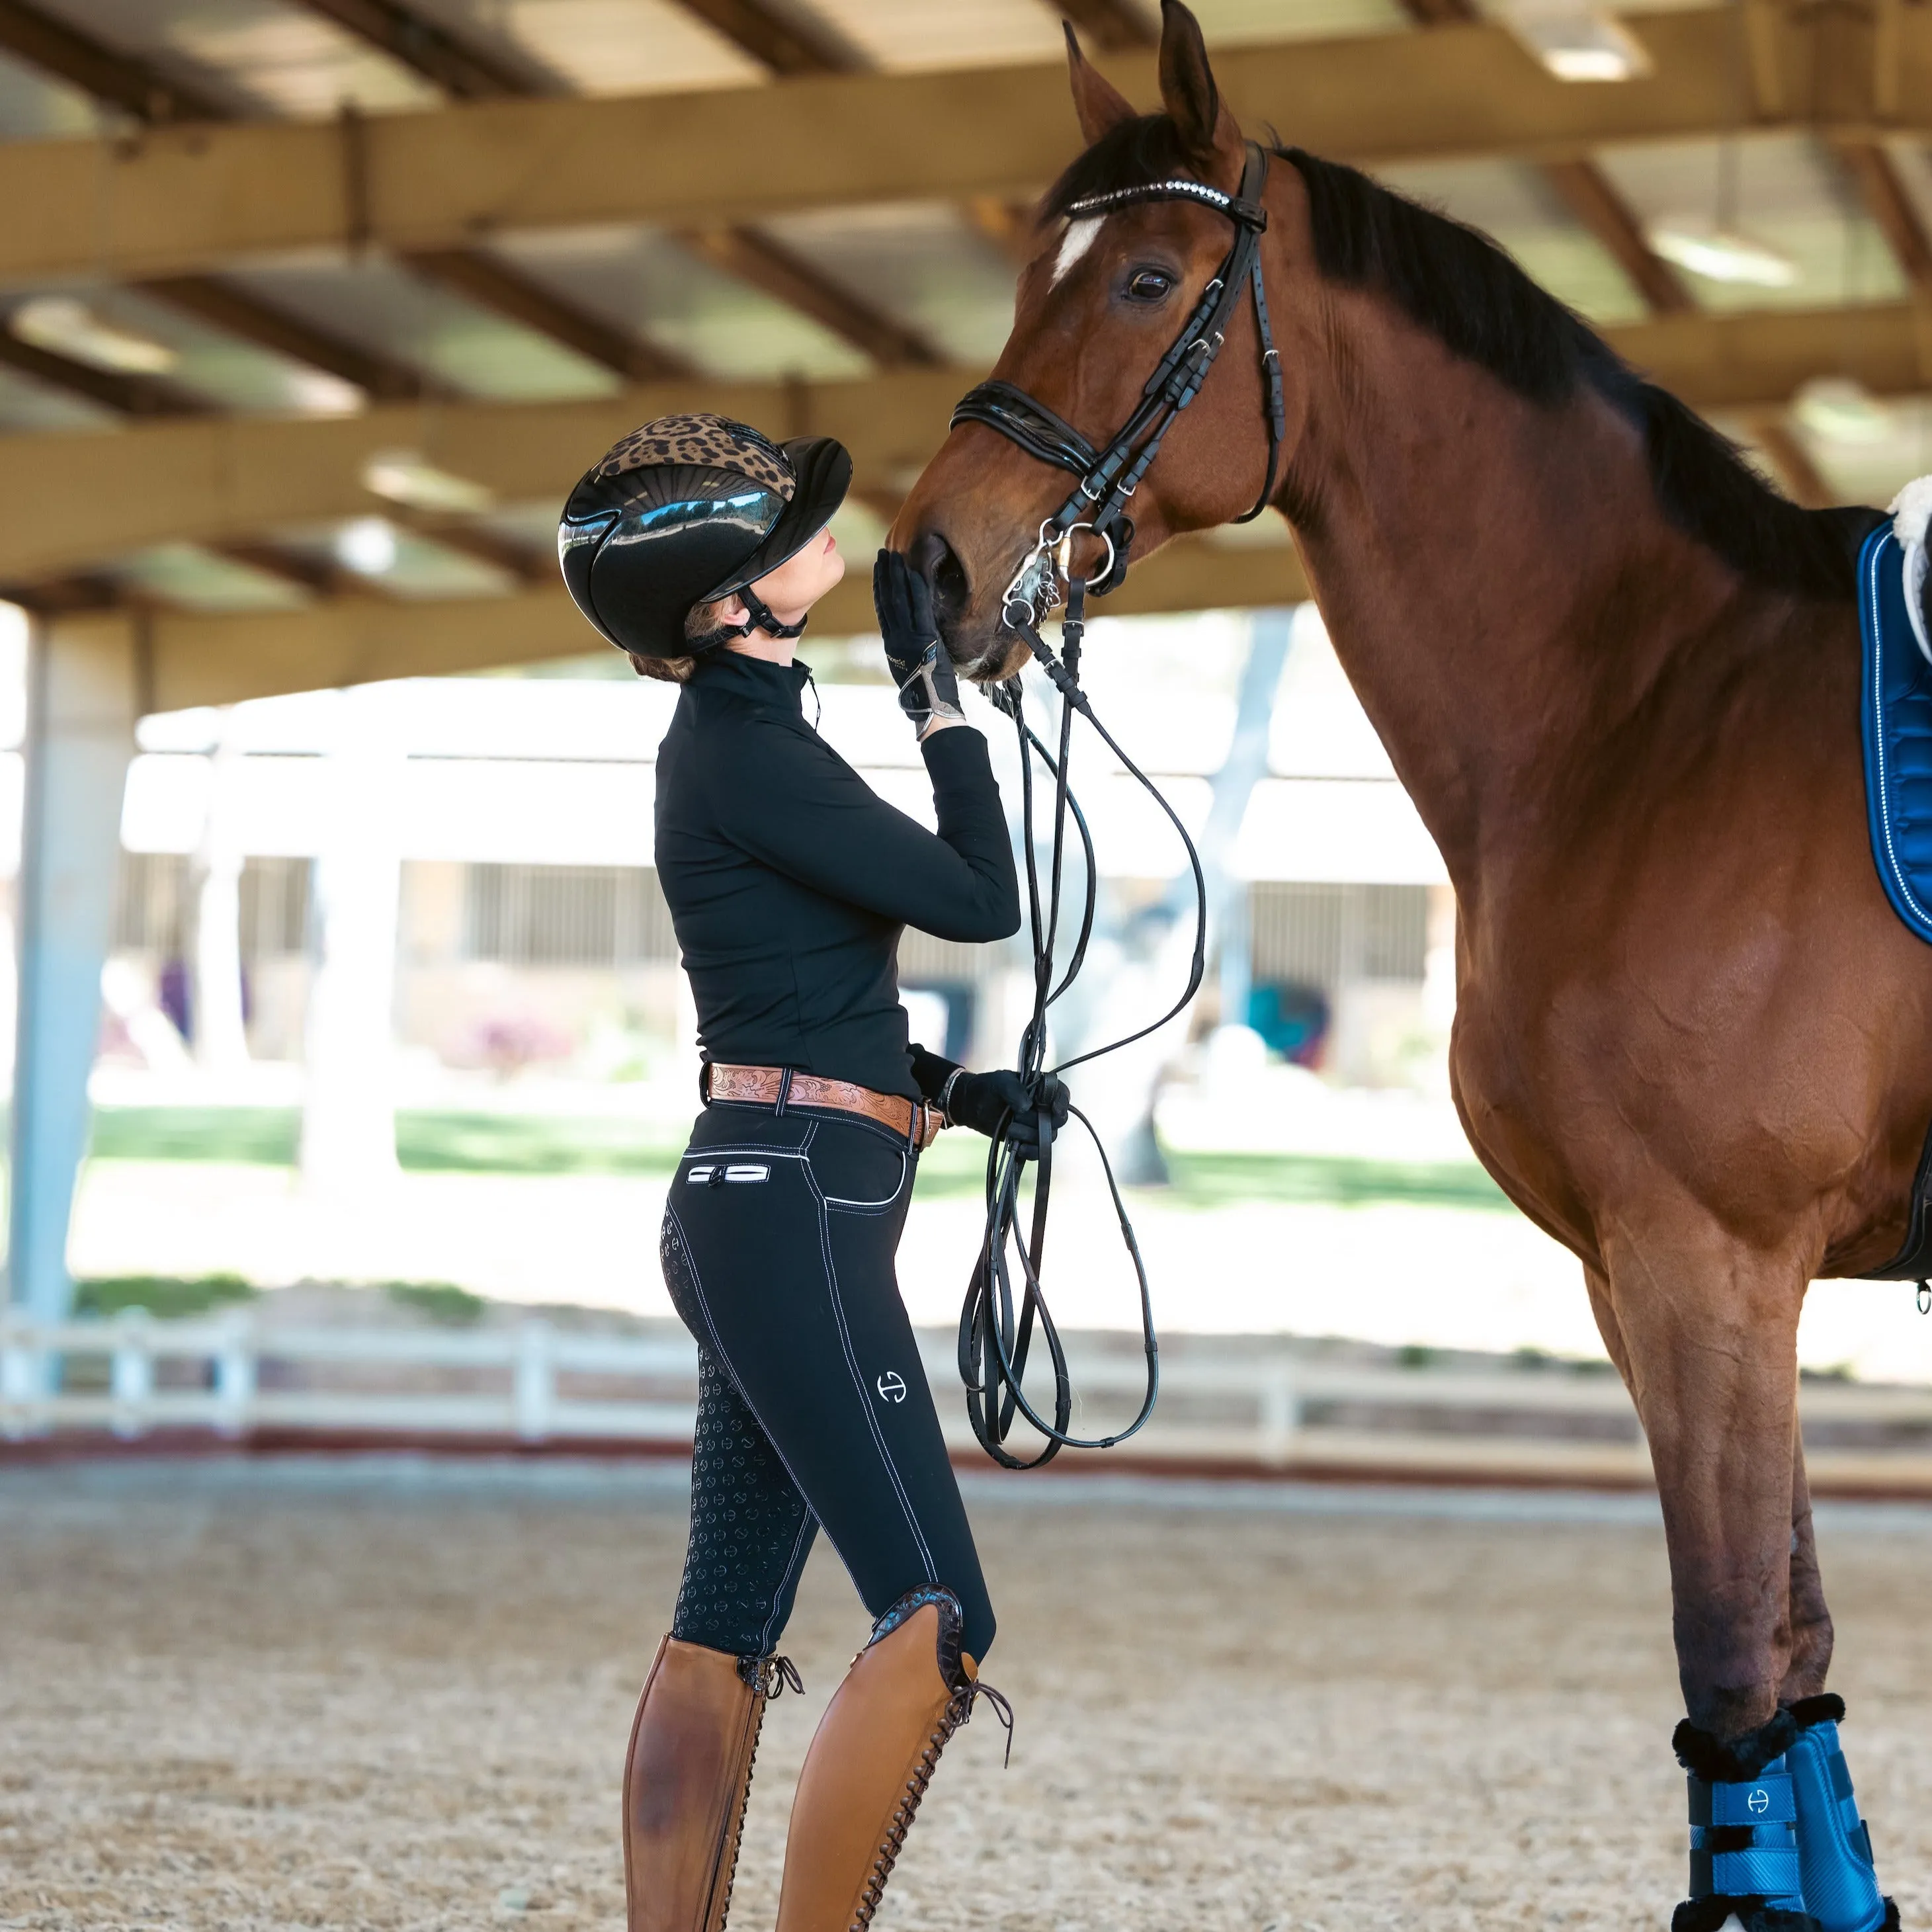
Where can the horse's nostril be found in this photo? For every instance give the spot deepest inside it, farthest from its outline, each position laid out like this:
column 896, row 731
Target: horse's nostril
column 933, row 557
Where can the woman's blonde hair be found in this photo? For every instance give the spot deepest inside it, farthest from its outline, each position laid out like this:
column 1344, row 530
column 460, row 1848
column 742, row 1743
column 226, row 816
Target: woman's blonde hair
column 700, row 622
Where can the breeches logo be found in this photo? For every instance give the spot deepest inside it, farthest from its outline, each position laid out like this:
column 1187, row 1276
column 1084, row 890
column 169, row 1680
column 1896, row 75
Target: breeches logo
column 891, row 1387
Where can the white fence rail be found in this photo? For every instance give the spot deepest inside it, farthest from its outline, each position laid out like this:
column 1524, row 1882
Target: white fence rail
column 1274, row 1408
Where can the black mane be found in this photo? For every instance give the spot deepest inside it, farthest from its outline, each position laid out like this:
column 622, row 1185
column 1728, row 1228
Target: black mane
column 1459, row 285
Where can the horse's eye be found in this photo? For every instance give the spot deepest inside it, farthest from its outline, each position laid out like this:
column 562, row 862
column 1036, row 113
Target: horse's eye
column 1149, row 285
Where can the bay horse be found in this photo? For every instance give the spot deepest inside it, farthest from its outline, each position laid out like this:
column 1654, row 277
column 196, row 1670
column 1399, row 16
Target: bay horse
column 1618, row 675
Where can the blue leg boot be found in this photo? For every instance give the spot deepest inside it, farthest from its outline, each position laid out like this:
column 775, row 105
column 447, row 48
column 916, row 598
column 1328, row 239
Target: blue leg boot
column 1834, row 1853
column 1744, row 1831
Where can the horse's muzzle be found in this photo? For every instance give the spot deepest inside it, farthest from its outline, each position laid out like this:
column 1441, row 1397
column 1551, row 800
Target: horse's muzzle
column 979, row 651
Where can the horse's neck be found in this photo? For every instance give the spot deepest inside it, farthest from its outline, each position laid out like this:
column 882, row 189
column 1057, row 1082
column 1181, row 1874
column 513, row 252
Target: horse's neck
column 1492, row 574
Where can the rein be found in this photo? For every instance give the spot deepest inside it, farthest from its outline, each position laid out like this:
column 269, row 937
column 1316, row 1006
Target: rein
column 997, row 1325
column 996, row 1335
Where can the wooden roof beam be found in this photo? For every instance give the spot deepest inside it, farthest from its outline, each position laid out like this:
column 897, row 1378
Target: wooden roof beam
column 208, row 659
column 1587, row 191
column 491, row 283
column 464, row 71
column 199, row 481
column 126, row 395
column 783, row 44
column 32, row 35
column 774, row 270
column 186, row 201
column 1583, row 187
column 1871, row 171
column 1111, row 25
column 235, row 311
column 1804, row 482
column 480, row 278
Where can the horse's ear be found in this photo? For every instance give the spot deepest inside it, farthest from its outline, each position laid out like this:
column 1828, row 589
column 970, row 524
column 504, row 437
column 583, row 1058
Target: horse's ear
column 1187, row 89
column 1099, row 102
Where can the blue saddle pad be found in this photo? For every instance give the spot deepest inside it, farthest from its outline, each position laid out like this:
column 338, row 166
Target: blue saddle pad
column 1896, row 711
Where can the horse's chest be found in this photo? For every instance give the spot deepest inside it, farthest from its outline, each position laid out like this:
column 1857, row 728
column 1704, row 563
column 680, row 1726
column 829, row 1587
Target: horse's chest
column 1514, row 1126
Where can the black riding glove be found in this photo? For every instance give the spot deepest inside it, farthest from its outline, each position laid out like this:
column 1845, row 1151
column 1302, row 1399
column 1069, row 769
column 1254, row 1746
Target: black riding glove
column 981, row 1101
column 928, row 687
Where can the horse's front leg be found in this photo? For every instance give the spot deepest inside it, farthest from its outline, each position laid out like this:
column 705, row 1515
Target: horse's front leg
column 1704, row 1328
column 1708, row 1332
column 1811, row 1633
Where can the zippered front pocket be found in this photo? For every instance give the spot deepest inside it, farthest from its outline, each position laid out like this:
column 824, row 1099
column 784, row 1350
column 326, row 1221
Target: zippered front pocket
column 712, row 1174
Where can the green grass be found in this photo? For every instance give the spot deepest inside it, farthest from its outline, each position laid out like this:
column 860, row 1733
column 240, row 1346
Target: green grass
column 490, row 1143
column 165, row 1296
column 441, row 1301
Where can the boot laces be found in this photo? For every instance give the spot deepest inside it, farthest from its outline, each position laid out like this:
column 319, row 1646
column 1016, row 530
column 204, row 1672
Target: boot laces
column 970, row 1694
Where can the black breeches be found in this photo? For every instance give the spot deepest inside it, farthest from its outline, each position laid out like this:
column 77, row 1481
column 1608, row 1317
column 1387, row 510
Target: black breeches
column 779, row 1239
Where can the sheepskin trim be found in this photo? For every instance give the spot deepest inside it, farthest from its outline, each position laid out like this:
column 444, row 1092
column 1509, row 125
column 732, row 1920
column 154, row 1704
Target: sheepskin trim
column 1911, row 510
column 1710, row 1913
column 1824, row 1709
column 1705, row 1756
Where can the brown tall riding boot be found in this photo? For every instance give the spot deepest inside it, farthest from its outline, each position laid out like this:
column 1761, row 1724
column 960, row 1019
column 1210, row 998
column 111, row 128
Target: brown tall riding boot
column 686, row 1780
column 907, row 1691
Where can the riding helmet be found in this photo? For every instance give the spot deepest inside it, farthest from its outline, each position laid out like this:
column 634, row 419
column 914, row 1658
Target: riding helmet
column 687, row 510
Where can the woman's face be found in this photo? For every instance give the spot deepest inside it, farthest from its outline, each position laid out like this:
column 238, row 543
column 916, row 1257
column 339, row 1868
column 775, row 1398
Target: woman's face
column 802, row 579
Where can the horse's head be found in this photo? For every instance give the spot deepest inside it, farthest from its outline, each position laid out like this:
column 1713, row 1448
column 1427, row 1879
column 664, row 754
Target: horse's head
column 1098, row 306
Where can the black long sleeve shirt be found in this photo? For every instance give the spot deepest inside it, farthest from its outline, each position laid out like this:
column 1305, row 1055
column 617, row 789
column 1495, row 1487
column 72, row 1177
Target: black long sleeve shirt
column 790, row 879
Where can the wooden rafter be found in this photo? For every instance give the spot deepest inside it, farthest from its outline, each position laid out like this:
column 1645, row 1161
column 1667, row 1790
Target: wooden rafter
column 235, row 311
column 208, row 659
column 522, row 563
column 1005, row 222
column 126, row 395
column 783, row 44
column 186, row 201
column 1111, row 25
column 1586, row 190
column 1804, row 482
column 1583, row 188
column 316, row 577
column 774, row 270
column 491, row 283
column 191, row 481
column 1871, row 171
column 462, row 70
column 480, row 278
column 31, row 35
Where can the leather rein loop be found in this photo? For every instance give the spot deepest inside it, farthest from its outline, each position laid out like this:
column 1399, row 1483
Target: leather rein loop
column 1002, row 1313
column 1109, row 477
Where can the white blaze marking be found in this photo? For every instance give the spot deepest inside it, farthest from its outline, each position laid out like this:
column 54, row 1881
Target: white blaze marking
column 1075, row 243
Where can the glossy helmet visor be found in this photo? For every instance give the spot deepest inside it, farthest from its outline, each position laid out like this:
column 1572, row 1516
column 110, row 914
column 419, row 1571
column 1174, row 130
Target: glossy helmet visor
column 686, row 510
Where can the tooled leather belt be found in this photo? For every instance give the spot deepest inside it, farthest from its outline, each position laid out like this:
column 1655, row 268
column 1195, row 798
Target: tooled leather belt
column 916, row 1122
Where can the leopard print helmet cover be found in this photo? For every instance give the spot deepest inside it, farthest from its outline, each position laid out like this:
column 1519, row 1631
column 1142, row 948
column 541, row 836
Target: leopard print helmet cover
column 707, row 442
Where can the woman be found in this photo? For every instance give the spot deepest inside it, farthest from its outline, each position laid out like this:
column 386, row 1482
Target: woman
column 698, row 547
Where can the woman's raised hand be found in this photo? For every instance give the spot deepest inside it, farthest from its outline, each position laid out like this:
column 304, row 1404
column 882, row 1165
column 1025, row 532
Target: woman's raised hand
column 928, row 687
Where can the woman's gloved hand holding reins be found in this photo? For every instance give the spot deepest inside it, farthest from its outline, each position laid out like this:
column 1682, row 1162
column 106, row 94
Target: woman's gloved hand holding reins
column 983, row 1101
column 928, row 686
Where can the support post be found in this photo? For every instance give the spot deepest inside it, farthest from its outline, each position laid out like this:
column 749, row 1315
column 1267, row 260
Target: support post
column 536, row 1381
column 220, row 1029
column 83, row 694
column 349, row 1122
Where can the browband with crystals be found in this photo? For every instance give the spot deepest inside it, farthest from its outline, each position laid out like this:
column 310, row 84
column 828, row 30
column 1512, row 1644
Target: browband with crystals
column 1179, row 188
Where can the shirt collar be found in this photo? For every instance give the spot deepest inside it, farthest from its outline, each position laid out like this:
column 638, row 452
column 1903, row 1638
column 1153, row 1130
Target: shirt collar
column 756, row 678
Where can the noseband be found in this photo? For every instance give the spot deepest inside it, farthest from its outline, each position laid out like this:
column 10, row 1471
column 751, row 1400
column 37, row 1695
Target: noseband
column 1109, row 477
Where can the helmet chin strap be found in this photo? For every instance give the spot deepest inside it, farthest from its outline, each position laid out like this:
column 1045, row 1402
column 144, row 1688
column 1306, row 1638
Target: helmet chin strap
column 758, row 617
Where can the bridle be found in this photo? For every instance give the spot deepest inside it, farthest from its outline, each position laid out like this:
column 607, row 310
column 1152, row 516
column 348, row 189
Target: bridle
column 1005, row 1304
column 1109, row 477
